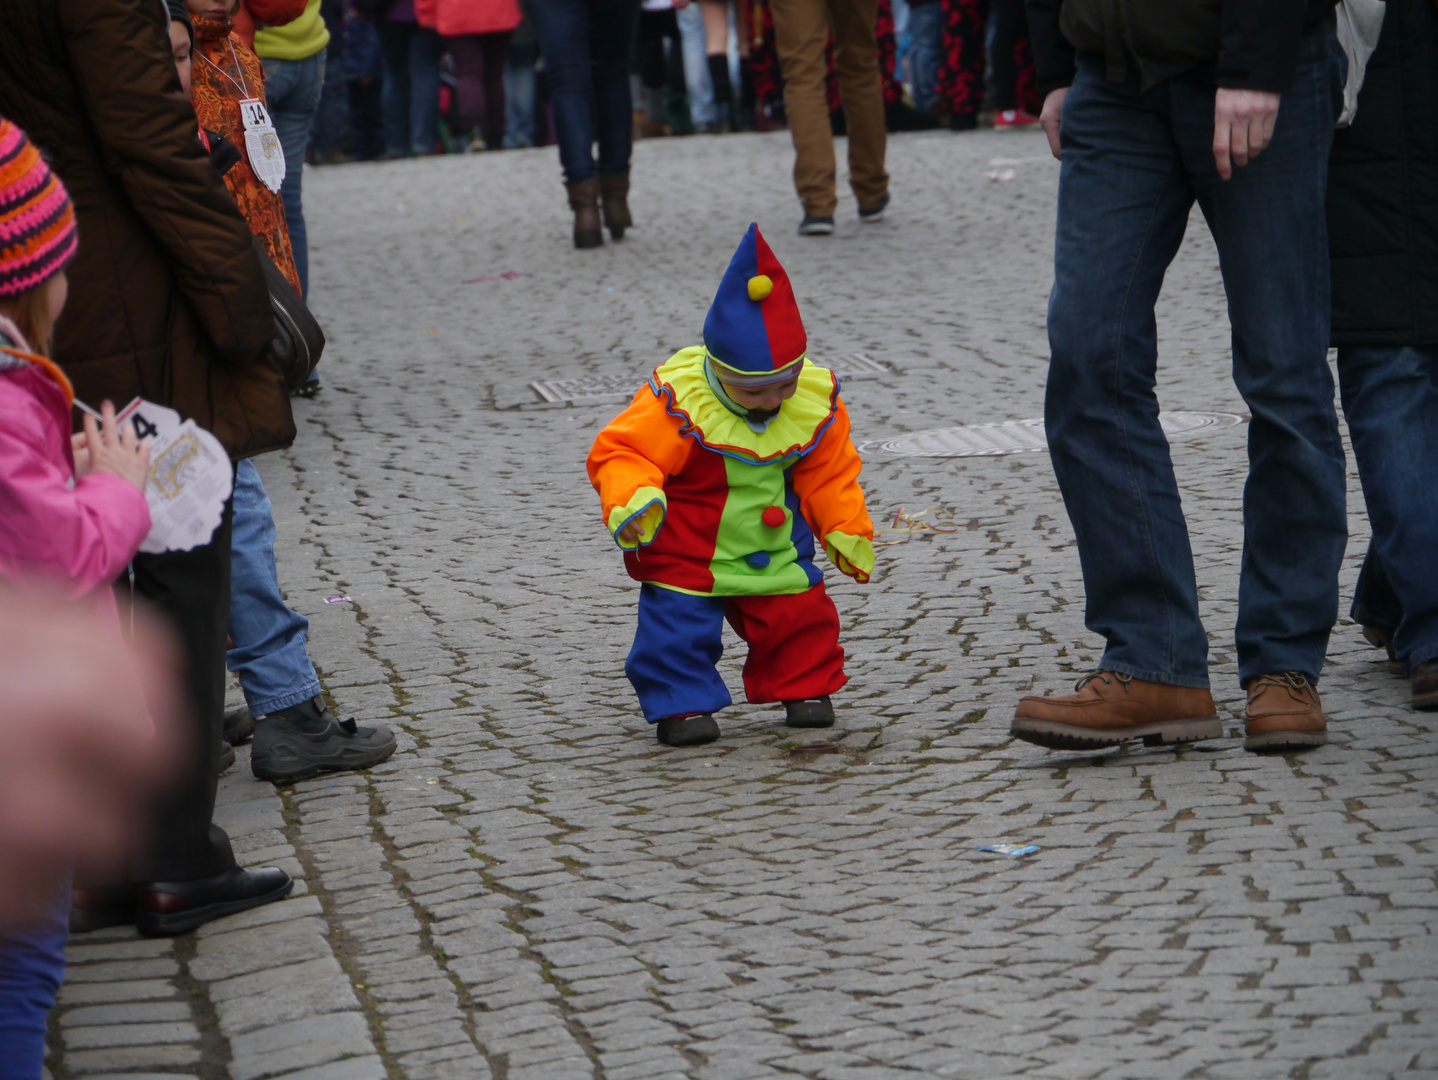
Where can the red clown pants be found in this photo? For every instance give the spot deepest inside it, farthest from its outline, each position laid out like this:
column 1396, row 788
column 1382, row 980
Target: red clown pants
column 794, row 650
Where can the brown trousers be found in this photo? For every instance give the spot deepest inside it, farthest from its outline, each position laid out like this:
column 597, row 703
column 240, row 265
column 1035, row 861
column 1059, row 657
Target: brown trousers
column 802, row 32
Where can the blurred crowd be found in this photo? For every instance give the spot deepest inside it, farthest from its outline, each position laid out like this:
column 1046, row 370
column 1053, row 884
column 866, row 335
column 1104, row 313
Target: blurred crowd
column 401, row 78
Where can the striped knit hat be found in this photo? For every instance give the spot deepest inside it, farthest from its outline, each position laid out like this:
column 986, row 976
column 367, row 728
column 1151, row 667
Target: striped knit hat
column 37, row 221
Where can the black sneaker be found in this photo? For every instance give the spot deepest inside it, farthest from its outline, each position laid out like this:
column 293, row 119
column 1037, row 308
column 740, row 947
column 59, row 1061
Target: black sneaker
column 307, row 739
column 224, row 759
column 696, row 729
column 813, row 225
column 875, row 212
column 810, row 712
column 239, row 725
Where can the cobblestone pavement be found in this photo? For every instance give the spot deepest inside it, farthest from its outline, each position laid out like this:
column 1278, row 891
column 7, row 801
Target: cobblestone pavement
column 533, row 889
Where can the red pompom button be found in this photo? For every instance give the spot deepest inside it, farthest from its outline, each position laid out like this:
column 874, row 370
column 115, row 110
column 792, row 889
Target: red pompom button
column 774, row 516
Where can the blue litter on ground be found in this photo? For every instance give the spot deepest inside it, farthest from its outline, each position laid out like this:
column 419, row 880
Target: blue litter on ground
column 1010, row 849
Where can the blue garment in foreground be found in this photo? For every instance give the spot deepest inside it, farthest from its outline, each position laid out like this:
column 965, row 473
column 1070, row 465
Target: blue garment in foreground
column 32, row 965
column 1133, row 165
column 1390, row 400
column 269, row 652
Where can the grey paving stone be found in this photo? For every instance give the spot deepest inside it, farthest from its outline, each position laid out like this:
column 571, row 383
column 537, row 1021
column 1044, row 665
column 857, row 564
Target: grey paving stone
column 316, row 1040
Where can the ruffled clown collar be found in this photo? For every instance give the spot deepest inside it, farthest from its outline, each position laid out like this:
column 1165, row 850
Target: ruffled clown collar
column 797, row 429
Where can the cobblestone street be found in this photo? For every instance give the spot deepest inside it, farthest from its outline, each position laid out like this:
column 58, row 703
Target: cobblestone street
column 534, row 889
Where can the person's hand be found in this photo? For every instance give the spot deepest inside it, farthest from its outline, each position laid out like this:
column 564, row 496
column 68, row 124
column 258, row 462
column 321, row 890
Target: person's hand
column 113, row 449
column 1243, row 122
column 630, row 534
column 89, row 730
column 1052, row 116
column 80, row 450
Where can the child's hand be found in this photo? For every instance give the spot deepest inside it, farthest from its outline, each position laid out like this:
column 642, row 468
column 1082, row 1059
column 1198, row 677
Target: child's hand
column 630, row 533
column 80, row 450
column 111, row 449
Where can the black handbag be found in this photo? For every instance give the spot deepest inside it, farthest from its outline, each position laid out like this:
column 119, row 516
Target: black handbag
column 299, row 341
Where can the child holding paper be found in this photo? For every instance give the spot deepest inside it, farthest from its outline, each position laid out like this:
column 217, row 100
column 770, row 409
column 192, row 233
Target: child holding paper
column 71, row 512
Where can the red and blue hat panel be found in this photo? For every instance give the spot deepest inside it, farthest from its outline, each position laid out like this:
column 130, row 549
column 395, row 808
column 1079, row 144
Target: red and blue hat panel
column 755, row 327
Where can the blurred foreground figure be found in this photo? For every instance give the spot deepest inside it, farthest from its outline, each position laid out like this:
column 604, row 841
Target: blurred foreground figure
column 89, row 733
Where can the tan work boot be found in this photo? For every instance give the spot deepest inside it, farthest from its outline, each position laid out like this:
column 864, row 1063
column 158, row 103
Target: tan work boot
column 584, row 201
column 1110, row 708
column 1283, row 713
column 614, row 195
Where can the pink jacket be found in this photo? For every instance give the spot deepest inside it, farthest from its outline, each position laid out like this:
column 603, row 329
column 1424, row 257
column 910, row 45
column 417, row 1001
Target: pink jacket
column 78, row 537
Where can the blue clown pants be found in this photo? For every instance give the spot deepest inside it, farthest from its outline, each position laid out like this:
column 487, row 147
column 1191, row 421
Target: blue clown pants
column 794, row 650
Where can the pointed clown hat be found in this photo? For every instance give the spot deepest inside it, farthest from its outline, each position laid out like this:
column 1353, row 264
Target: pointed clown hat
column 753, row 334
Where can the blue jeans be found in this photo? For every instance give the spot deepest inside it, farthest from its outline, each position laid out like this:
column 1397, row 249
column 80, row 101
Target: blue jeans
column 702, row 109
column 926, row 34
column 292, row 94
column 519, row 83
column 1390, row 399
column 411, row 87
column 585, row 44
column 269, row 653
column 32, row 964
column 1133, row 165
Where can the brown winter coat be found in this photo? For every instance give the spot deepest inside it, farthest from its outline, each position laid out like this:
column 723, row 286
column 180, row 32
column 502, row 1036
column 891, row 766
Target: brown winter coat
column 167, row 298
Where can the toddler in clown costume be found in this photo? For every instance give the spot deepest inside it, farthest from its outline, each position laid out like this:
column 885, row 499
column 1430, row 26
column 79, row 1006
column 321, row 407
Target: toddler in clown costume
column 715, row 482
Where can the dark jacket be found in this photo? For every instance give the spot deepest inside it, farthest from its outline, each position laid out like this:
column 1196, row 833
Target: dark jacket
column 167, row 298
column 1383, row 191
column 1252, row 43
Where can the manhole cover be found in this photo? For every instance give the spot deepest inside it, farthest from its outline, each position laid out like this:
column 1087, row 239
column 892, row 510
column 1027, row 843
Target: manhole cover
column 1025, row 436
column 602, row 389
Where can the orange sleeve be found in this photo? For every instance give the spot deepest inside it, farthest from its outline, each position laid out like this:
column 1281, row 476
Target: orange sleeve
column 827, row 483
column 630, row 460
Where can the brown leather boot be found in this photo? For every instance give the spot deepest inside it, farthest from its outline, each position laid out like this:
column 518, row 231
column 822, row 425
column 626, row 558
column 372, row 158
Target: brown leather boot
column 1283, row 713
column 1425, row 685
column 584, row 201
column 614, row 189
column 1110, row 708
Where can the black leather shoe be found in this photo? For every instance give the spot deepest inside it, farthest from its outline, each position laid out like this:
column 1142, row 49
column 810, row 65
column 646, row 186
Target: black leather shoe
column 239, row 725
column 1425, row 686
column 694, row 730
column 166, row 908
column 101, row 908
column 811, row 712
column 307, row 739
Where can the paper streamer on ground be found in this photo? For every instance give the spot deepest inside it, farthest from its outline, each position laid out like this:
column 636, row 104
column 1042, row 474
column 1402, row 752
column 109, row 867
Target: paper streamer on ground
column 190, row 478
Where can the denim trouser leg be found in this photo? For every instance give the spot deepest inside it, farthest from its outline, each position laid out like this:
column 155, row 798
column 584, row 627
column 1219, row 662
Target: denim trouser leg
column 519, row 95
column 1390, row 398
column 32, row 965
column 292, row 95
column 394, row 40
column 585, row 44
column 926, row 31
column 269, row 653
column 425, row 49
column 1133, row 165
column 696, row 67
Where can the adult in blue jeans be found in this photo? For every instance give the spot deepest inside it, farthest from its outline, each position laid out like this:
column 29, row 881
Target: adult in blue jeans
column 585, row 44
column 1149, row 113
column 1383, row 229
column 296, row 735
column 410, row 99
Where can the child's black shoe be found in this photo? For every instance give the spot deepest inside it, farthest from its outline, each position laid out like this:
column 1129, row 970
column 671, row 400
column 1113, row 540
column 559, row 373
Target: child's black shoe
column 810, row 712
column 696, row 729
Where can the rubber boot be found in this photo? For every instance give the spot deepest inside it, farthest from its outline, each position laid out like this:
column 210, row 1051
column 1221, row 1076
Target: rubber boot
column 615, row 191
column 584, row 201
